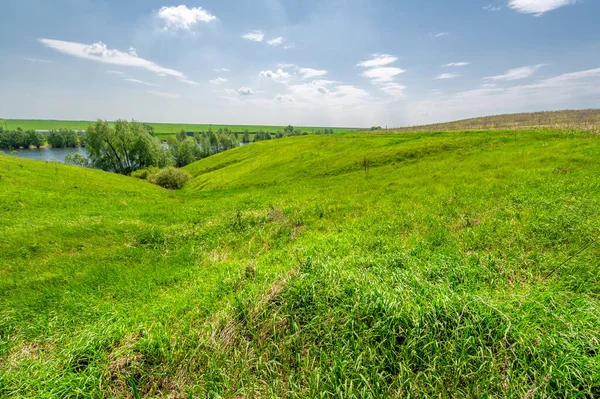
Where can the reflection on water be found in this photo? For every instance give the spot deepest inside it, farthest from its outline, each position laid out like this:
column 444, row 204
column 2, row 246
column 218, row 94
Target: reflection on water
column 46, row 154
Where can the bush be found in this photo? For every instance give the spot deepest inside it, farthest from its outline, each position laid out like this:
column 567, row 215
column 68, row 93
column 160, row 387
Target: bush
column 144, row 173
column 171, row 178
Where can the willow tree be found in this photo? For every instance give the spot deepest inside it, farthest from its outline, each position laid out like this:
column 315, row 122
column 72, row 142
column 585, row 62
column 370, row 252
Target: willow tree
column 123, row 148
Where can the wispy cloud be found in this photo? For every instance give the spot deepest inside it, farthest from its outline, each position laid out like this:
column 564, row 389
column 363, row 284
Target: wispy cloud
column 242, row 91
column 182, row 17
column 140, row 82
column 222, row 70
column 582, row 87
column 218, row 81
column 517, row 73
column 492, row 8
column 538, row 7
column 308, row 73
column 383, row 74
column 275, row 42
column 457, row 64
column 284, row 98
column 378, row 60
column 446, row 76
column 441, row 34
column 163, row 94
column 116, row 73
column 99, row 52
column 189, row 82
column 36, row 60
column 255, row 36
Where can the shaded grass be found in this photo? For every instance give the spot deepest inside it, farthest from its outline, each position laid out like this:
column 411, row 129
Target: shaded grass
column 284, row 270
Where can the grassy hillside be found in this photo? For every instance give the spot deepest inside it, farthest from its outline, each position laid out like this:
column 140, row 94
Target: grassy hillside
column 161, row 128
column 587, row 119
column 354, row 266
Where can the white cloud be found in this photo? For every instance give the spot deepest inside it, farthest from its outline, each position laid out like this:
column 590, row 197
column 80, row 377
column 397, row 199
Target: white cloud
column 446, row 76
column 36, row 60
column 182, row 17
column 393, row 89
column 492, row 8
column 189, row 82
column 255, row 36
column 288, row 46
column 457, row 64
column 378, row 60
column 132, row 52
column 115, row 72
column 323, row 82
column 284, row 98
column 218, row 81
column 283, row 65
column 245, row 91
column 99, row 52
column 517, row 73
column 441, row 34
column 322, row 89
column 140, row 82
column 222, row 70
column 275, row 42
column 163, row 94
column 538, row 7
column 559, row 92
column 489, row 85
column 279, row 75
column 383, row 74
column 307, row 73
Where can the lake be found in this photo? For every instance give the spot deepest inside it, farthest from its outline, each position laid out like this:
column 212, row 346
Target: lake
column 47, row 154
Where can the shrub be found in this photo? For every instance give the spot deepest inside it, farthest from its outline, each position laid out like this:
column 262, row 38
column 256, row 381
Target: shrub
column 144, row 173
column 171, row 178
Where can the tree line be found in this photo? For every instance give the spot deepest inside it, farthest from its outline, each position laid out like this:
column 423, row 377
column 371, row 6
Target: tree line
column 15, row 139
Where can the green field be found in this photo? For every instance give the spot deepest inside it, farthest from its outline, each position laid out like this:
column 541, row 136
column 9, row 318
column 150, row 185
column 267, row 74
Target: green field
column 162, row 128
column 416, row 265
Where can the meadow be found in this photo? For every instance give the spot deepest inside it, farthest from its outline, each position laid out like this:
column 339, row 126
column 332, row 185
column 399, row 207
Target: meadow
column 162, row 129
column 379, row 265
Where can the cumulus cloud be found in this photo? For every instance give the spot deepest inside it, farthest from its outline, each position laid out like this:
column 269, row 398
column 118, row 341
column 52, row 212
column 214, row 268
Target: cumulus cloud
column 517, row 73
column 279, row 75
column 99, row 52
column 383, row 74
column 307, row 73
column 538, row 7
column 163, row 94
column 275, row 42
column 378, row 60
column 457, row 64
column 255, row 36
column 218, row 81
column 182, row 17
column 284, row 98
column 140, row 82
column 446, row 76
column 245, row 91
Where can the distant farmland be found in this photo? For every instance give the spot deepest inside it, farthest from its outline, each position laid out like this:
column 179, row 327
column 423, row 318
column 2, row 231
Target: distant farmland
column 161, row 128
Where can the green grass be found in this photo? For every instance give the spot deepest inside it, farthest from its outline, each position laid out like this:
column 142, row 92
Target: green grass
column 160, row 128
column 451, row 267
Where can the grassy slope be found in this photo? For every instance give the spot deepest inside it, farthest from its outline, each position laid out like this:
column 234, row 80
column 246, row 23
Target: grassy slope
column 588, row 119
column 162, row 128
column 285, row 270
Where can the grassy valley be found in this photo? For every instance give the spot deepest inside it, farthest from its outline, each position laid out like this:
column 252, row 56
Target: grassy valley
column 447, row 264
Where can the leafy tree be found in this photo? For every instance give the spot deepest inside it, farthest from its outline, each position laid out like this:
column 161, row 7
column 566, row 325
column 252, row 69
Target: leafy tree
column 35, row 139
column 77, row 159
column 123, row 148
column 181, row 135
column 289, row 130
column 56, row 139
column 150, row 129
column 184, row 152
column 246, row 137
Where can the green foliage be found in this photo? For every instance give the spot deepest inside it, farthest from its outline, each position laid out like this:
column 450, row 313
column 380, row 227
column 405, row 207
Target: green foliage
column 122, row 149
column 144, row 173
column 184, row 151
column 35, row 139
column 170, row 178
column 63, row 138
column 461, row 265
column 77, row 160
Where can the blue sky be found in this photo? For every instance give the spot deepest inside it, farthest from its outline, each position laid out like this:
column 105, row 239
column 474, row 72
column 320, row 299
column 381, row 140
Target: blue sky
column 309, row 62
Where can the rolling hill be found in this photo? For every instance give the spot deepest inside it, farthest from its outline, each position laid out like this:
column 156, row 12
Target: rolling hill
column 448, row 264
